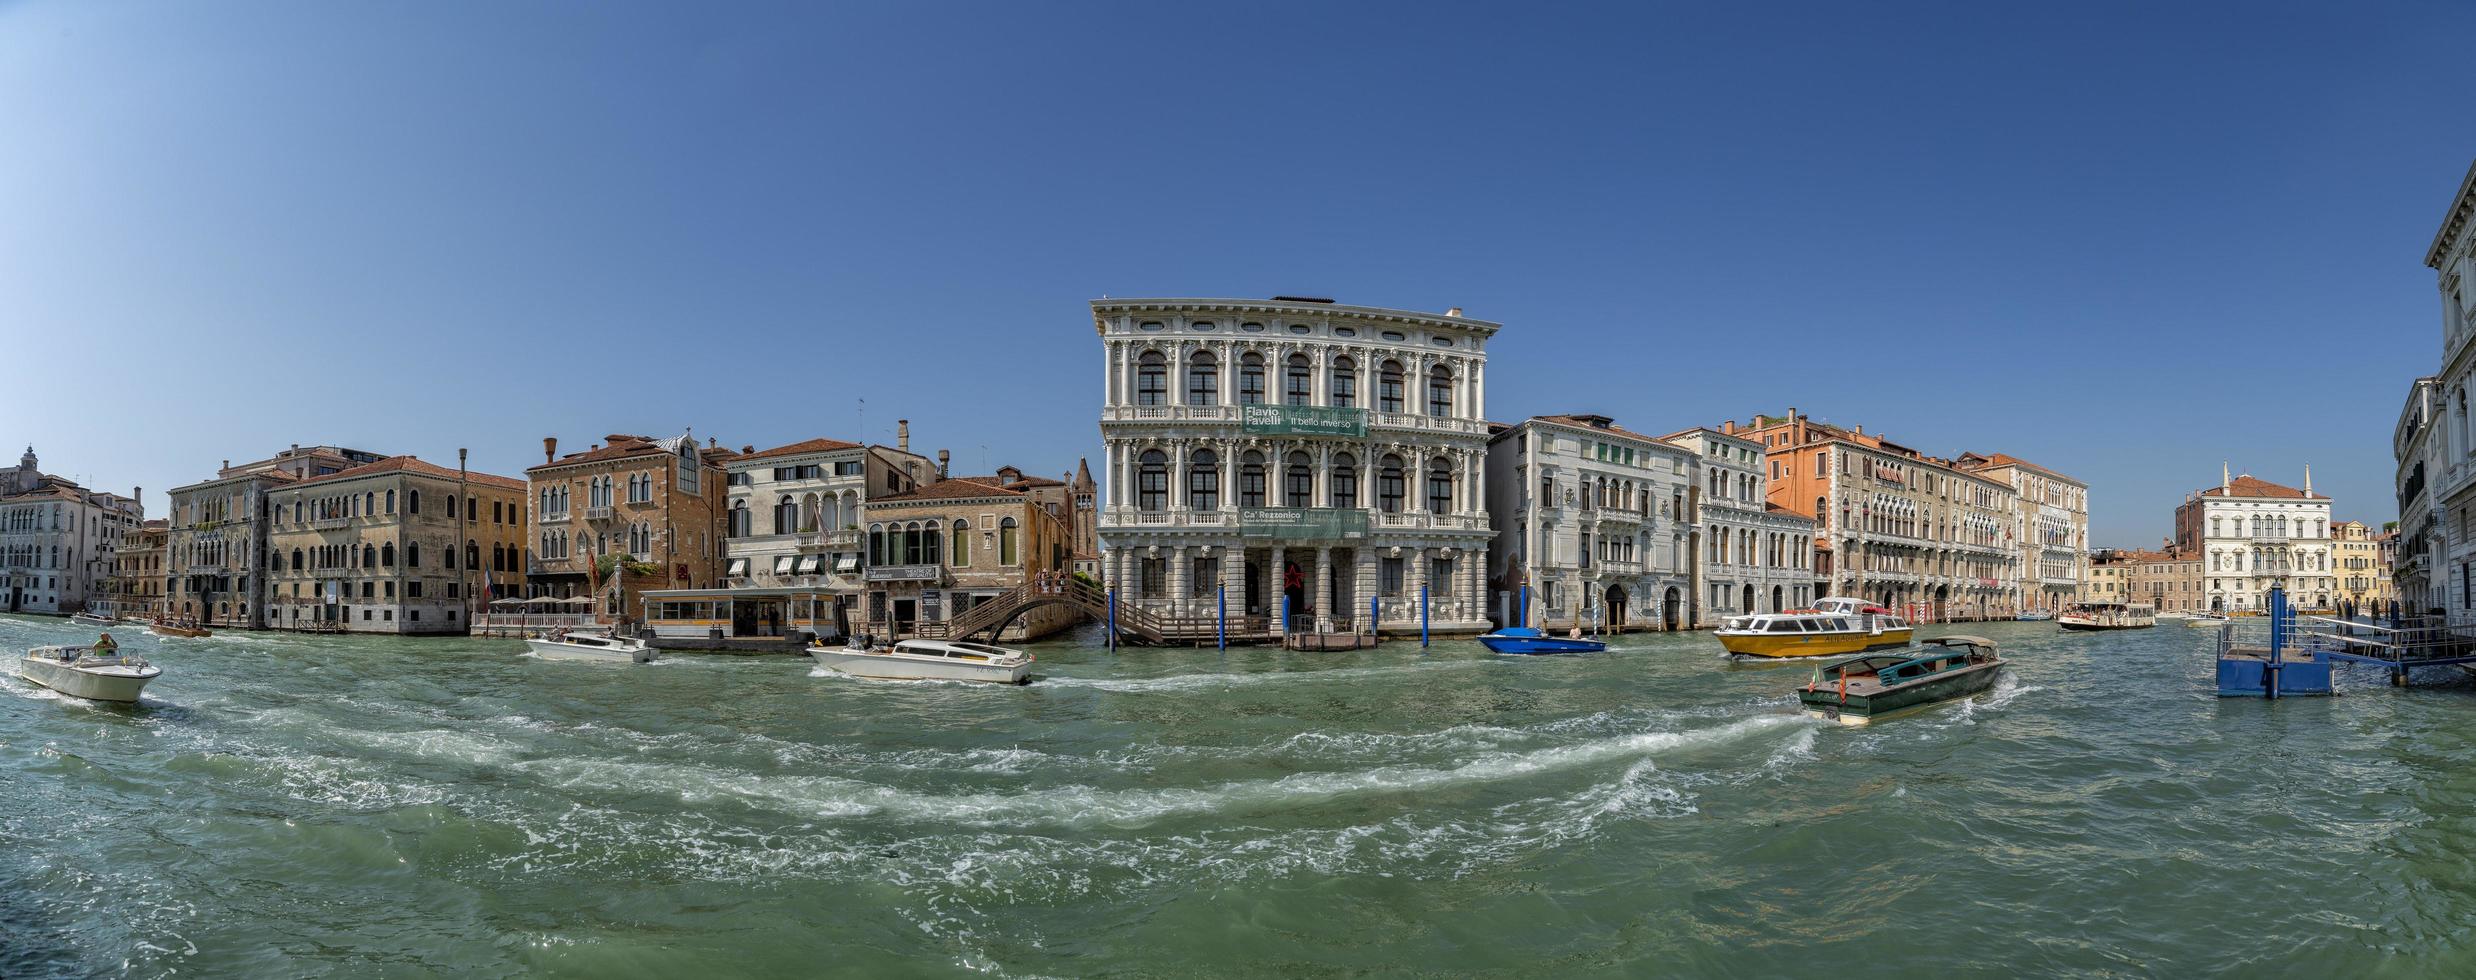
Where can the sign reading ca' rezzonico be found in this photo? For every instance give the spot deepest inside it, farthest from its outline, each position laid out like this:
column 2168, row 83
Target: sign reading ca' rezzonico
column 1302, row 523
column 1304, row 420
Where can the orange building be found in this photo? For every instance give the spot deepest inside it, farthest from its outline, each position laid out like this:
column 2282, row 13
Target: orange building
column 658, row 501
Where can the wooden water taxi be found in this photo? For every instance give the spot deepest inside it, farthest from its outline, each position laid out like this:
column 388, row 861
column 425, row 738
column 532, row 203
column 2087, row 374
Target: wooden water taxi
column 1836, row 627
column 2085, row 616
column 1865, row 688
column 177, row 629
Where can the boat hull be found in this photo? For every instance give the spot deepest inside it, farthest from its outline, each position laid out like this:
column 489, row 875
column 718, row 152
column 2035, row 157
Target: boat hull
column 119, row 684
column 2098, row 627
column 1539, row 644
column 553, row 650
column 176, row 633
column 1946, row 686
column 1786, row 645
column 83, row 619
column 886, row 667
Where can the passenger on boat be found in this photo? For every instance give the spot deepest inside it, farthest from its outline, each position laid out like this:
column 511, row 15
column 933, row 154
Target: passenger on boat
column 105, row 646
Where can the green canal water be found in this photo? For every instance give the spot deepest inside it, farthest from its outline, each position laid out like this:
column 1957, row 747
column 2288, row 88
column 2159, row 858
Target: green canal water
column 286, row 806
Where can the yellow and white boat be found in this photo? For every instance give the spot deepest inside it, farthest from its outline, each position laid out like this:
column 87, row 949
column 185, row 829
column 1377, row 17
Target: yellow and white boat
column 1837, row 626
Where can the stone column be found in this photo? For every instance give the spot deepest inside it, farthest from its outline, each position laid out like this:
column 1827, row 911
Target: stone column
column 1276, row 601
column 1179, row 570
column 1323, row 588
column 1233, row 578
column 1370, row 583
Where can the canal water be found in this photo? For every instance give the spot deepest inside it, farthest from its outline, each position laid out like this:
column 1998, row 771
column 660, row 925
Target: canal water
column 353, row 807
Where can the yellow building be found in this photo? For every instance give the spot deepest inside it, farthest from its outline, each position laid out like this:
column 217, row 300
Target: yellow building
column 2106, row 577
column 393, row 546
column 2355, row 552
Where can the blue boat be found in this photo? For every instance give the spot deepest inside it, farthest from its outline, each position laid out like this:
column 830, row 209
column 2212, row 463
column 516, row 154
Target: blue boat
column 1525, row 639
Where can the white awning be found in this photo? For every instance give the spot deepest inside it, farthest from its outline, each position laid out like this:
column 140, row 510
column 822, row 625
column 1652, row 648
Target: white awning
column 811, row 564
column 847, row 563
column 782, row 564
column 739, row 568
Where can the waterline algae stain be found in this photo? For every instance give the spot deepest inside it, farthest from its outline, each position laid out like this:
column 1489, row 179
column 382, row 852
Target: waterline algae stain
column 353, row 806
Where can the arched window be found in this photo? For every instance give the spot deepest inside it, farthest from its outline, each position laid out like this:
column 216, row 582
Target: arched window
column 833, row 517
column 386, row 555
column 1203, row 481
column 1203, row 379
column 1439, row 392
column 1344, row 382
column 911, row 544
column 1344, row 481
column 962, row 543
column 296, row 510
column 1152, row 480
column 1298, row 483
column 391, row 501
column 1298, row 381
column 498, row 556
column 296, row 559
column 1439, row 487
column 876, row 545
column 740, row 519
column 935, row 540
column 1152, row 379
column 786, row 516
column 1005, row 542
column 472, row 554
column 1251, row 479
column 1389, row 488
column 1251, row 379
column 412, row 554
column 412, row 501
column 369, row 502
column 369, row 557
column 1388, row 387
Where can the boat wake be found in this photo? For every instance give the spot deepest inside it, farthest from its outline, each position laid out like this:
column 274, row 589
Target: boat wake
column 1219, row 680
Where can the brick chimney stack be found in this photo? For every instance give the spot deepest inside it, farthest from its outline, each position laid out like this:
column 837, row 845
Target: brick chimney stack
column 550, row 449
column 902, row 434
column 945, row 459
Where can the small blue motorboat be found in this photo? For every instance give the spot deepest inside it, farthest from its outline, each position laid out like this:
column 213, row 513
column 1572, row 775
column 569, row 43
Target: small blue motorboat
column 1525, row 639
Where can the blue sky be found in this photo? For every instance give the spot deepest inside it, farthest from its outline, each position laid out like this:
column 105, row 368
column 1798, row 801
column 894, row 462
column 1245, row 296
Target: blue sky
column 2123, row 240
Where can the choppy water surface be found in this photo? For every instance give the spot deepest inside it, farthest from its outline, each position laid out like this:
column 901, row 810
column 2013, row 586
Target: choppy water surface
column 297, row 806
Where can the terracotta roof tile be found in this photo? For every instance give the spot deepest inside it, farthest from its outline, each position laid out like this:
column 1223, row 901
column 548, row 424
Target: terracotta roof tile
column 949, row 489
column 410, row 464
column 2250, row 486
column 800, row 449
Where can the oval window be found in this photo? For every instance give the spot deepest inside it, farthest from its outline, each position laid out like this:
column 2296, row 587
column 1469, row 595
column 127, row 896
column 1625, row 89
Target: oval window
column 1441, row 341
column 1204, row 325
column 1394, row 335
column 1251, row 327
column 1298, row 328
column 1149, row 325
column 1344, row 332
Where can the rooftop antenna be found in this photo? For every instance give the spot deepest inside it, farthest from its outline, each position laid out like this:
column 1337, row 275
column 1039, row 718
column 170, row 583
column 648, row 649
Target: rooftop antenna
column 863, row 420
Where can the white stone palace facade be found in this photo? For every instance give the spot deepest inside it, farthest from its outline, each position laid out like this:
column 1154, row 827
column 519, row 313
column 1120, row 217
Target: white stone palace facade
column 2435, row 441
column 2053, row 527
column 1595, row 520
column 1303, row 454
column 2252, row 535
column 58, row 540
column 1756, row 556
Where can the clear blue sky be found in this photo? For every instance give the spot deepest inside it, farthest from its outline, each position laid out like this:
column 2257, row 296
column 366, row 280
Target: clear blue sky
column 2123, row 240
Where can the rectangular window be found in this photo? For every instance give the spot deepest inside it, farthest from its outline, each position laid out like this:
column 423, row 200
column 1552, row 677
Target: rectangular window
column 1205, row 576
column 1391, row 575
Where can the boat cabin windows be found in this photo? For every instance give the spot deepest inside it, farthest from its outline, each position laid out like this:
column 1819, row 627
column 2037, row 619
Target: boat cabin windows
column 1782, row 626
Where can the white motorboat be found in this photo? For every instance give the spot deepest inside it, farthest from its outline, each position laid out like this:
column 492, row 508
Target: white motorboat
column 2171, row 616
column 2085, row 616
column 2207, row 621
column 592, row 646
column 928, row 660
column 85, row 672
column 90, row 619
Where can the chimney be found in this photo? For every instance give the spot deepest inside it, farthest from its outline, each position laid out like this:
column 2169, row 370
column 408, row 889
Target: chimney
column 227, row 464
column 2308, row 479
column 460, row 456
column 747, row 450
column 1860, row 430
column 1456, row 311
column 2225, row 483
column 550, row 449
column 1728, row 427
column 902, row 434
column 945, row 459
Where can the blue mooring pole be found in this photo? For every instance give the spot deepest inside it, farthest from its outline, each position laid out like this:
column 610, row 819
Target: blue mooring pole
column 1521, row 616
column 1422, row 617
column 1222, row 630
column 1375, row 613
column 1113, row 620
column 2278, row 640
column 1285, row 618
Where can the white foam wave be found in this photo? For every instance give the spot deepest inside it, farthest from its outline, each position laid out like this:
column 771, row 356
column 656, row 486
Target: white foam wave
column 830, row 797
column 1218, row 680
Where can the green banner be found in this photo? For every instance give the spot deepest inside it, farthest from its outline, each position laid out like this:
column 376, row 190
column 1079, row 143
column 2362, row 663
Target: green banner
column 1302, row 523
column 1303, row 420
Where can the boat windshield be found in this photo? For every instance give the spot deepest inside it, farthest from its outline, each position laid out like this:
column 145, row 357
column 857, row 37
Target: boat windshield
column 1782, row 626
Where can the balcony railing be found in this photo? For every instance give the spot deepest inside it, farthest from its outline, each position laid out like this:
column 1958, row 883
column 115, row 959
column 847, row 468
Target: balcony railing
column 599, row 513
column 904, row 573
column 330, row 523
